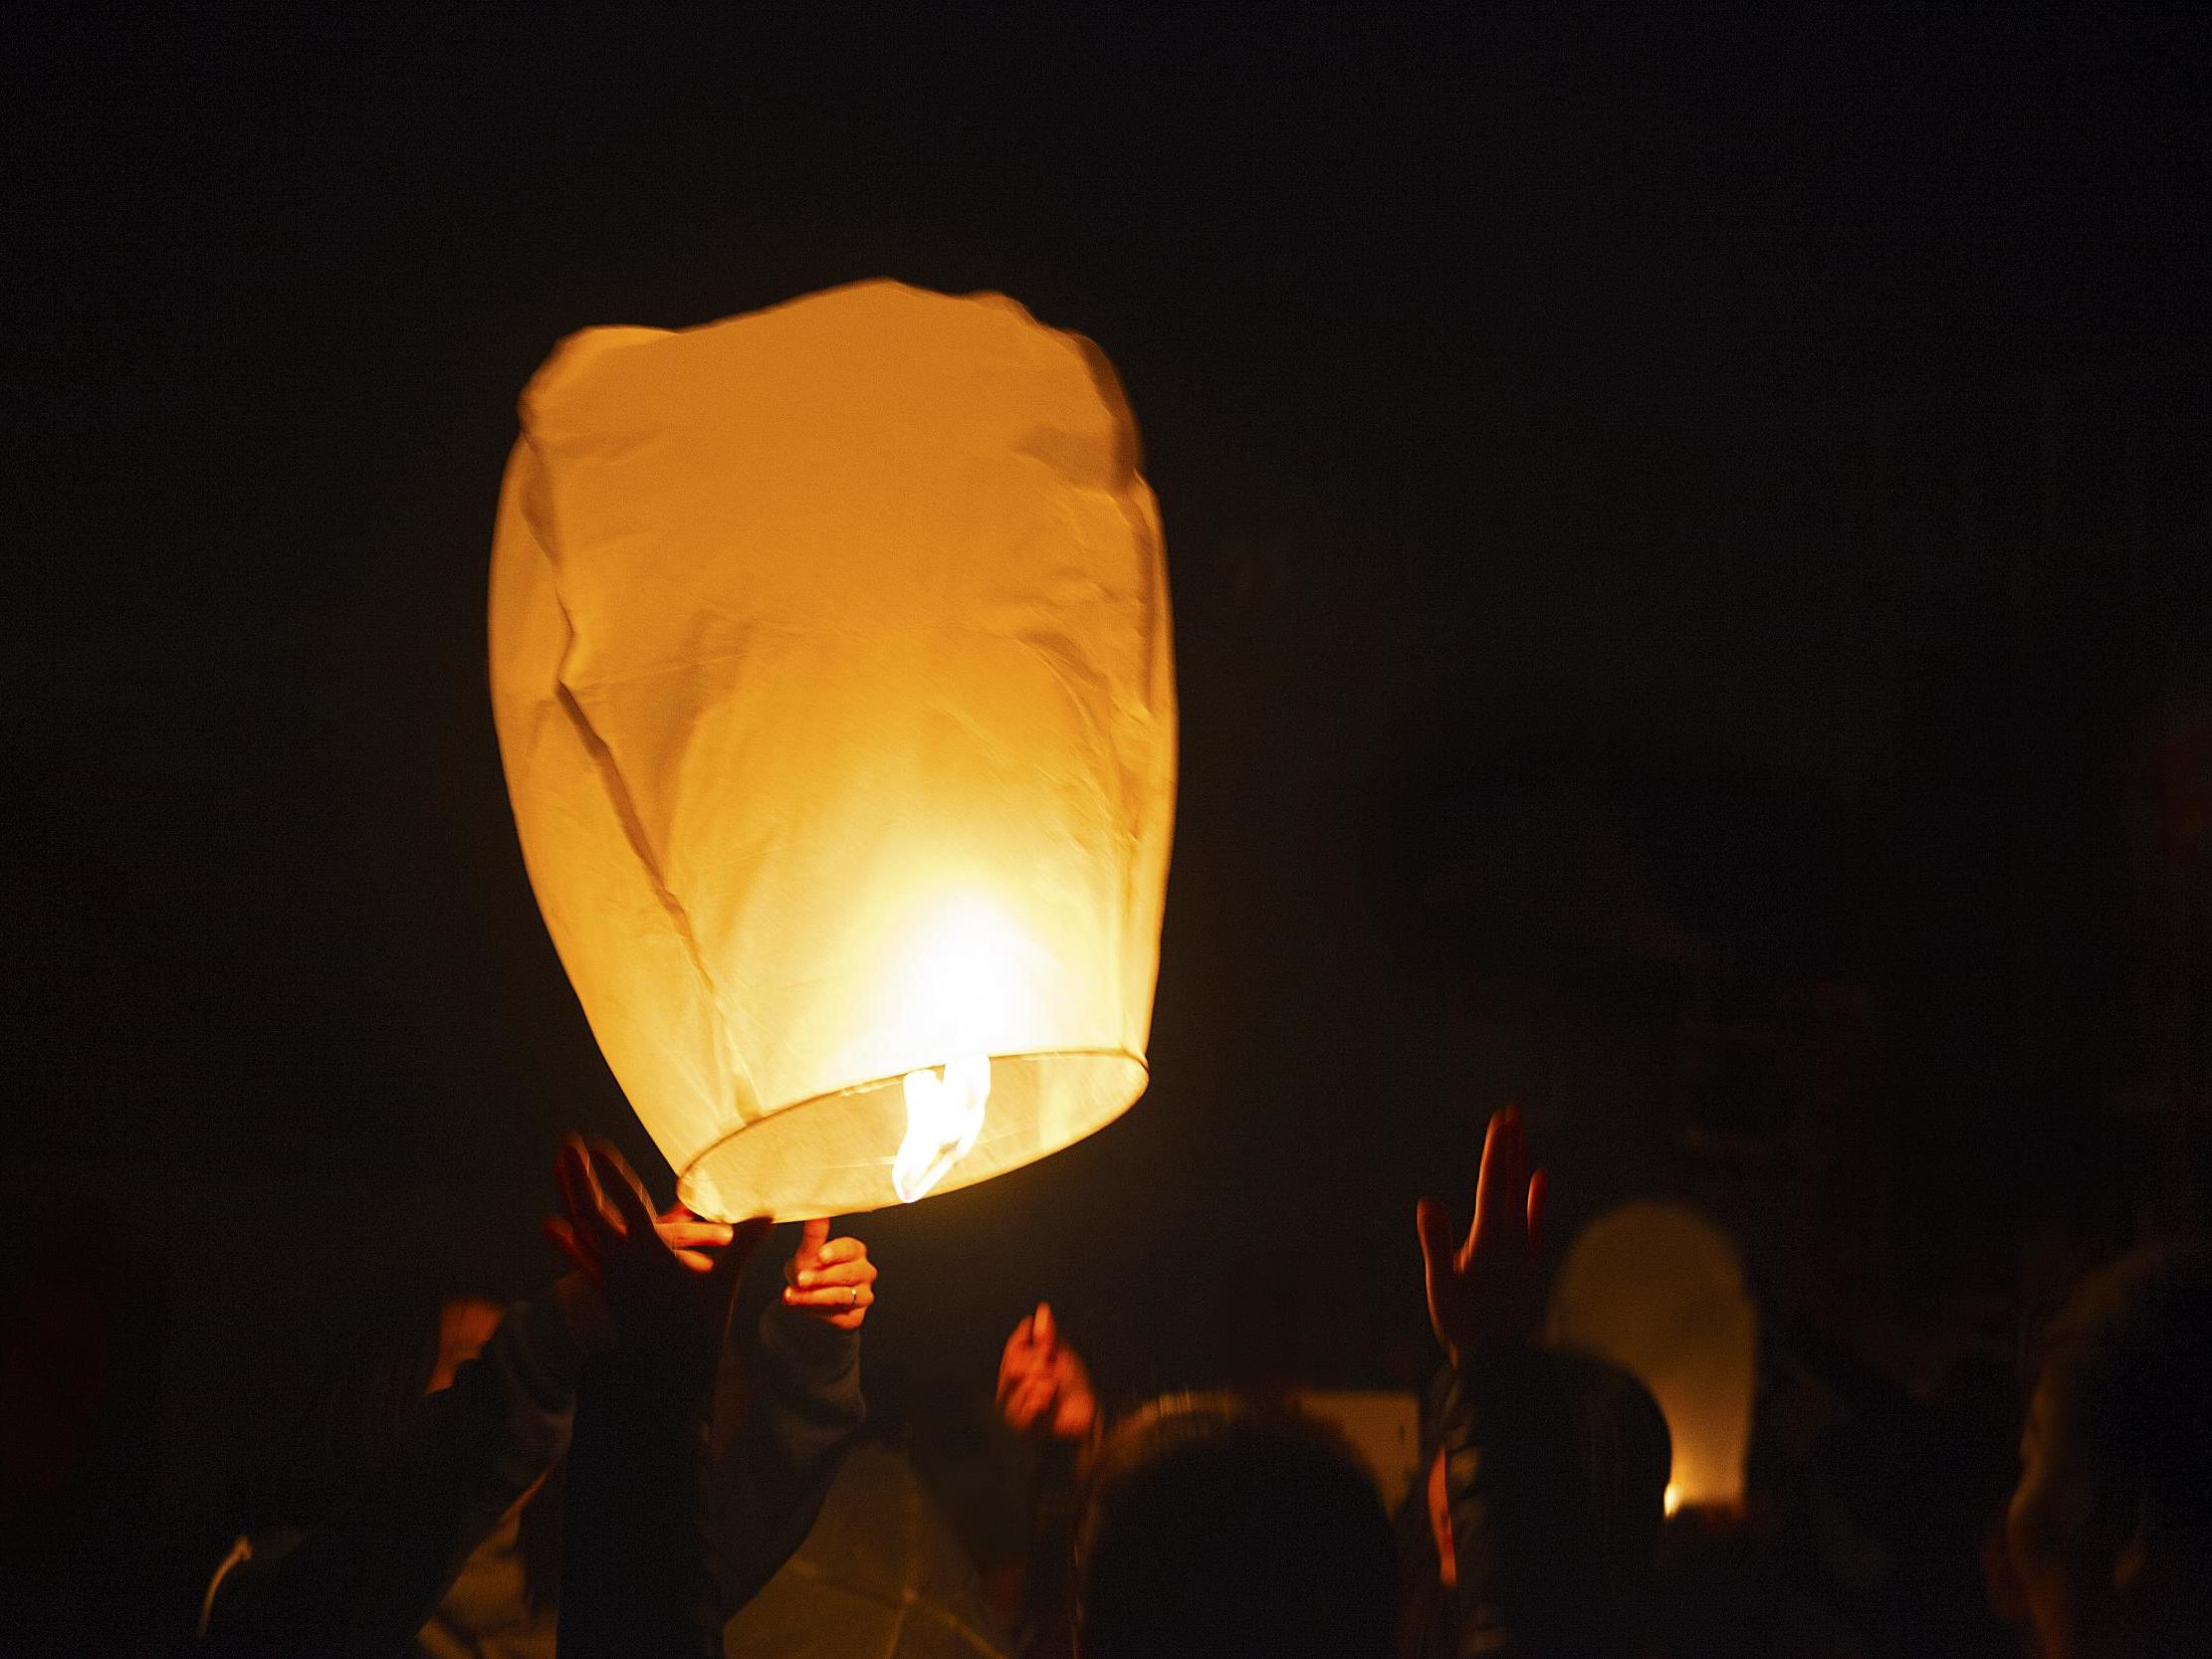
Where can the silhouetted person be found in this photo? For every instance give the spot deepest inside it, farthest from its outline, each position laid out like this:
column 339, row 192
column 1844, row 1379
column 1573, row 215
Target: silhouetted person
column 1623, row 1455
column 1215, row 1527
column 2110, row 1528
column 417, row 1511
column 1553, row 1475
column 637, row 1542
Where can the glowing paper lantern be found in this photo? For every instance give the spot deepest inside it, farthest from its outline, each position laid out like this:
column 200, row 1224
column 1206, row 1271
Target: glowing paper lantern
column 832, row 668
column 1658, row 1290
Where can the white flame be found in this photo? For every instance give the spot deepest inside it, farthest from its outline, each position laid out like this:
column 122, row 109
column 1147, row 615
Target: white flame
column 1673, row 1499
column 944, row 1114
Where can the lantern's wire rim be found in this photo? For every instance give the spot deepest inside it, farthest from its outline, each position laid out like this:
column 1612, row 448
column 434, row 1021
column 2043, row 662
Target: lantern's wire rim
column 873, row 1085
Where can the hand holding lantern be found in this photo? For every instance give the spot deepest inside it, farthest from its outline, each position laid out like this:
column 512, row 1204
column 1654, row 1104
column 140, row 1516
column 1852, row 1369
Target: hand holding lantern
column 649, row 1276
column 831, row 1278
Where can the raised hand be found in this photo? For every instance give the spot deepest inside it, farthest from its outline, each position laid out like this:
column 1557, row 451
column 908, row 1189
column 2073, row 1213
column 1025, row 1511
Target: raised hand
column 1042, row 1386
column 1486, row 1291
column 651, row 1275
column 830, row 1279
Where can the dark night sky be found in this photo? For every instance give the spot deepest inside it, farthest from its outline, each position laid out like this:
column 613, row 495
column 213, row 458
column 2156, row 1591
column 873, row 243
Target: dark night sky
column 1494, row 377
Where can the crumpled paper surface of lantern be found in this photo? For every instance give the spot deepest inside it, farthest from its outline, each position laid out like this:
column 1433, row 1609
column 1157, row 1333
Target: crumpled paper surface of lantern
column 831, row 668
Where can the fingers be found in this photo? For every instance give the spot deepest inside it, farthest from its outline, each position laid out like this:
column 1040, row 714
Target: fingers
column 580, row 1197
column 1056, row 1386
column 838, row 1251
column 1538, row 1186
column 1017, row 1360
column 563, row 1238
column 618, row 1182
column 715, row 1246
column 862, row 1272
column 847, row 1285
column 834, row 1299
column 1068, row 1374
column 1044, row 1328
column 831, row 1278
column 693, row 1235
column 1023, row 1405
column 1490, row 1183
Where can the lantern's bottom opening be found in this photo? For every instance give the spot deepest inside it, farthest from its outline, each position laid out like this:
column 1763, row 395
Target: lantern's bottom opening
column 832, row 1154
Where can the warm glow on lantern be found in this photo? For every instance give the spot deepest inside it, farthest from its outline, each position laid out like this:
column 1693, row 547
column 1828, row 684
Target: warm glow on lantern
column 1658, row 1290
column 830, row 662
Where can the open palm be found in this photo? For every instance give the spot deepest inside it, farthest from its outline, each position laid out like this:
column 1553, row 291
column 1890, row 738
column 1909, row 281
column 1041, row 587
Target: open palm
column 1487, row 1290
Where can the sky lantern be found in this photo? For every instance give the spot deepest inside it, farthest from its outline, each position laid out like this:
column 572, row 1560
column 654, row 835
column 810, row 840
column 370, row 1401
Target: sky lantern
column 831, row 668
column 1660, row 1291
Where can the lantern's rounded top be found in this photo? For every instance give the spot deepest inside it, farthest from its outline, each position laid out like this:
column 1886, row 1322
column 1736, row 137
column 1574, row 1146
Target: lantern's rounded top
column 883, row 306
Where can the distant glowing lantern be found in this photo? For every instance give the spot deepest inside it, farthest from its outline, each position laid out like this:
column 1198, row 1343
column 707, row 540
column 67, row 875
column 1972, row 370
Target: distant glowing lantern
column 1658, row 1290
column 830, row 663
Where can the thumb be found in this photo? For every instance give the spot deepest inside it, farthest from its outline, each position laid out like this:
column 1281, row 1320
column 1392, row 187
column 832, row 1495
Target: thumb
column 812, row 1237
column 1042, row 1329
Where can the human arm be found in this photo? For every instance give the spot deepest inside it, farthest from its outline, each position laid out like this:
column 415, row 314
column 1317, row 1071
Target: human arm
column 637, row 1576
column 802, row 1410
column 360, row 1581
column 1530, row 1569
column 1045, row 1396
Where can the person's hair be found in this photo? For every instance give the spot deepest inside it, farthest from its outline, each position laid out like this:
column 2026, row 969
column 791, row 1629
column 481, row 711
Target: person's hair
column 349, row 1422
column 1223, row 1526
column 2127, row 1381
column 1627, row 1457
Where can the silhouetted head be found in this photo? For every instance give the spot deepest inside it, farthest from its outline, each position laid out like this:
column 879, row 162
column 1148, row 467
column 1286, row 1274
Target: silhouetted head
column 1224, row 1528
column 2111, row 1524
column 409, row 1346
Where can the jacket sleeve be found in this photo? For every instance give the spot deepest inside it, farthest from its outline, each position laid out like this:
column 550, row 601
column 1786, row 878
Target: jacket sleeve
column 804, row 1411
column 1055, row 1489
column 361, row 1584
column 637, row 1578
column 1532, row 1574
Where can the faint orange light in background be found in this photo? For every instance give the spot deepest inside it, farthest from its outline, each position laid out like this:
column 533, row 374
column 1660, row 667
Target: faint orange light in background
column 832, row 668
column 1658, row 1290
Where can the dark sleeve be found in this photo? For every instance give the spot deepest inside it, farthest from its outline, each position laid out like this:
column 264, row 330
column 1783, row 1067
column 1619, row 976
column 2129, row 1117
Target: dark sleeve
column 636, row 1570
column 1532, row 1578
column 1055, row 1483
column 362, row 1583
column 804, row 1412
